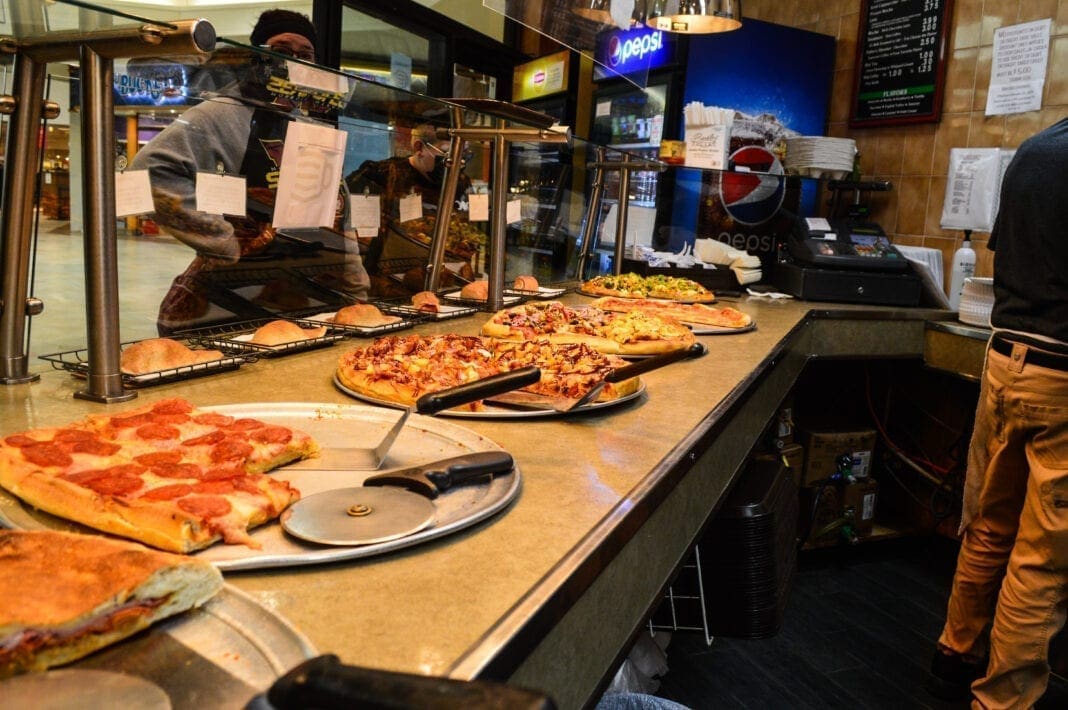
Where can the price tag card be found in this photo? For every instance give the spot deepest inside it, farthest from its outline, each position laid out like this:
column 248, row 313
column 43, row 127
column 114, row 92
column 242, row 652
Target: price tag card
column 513, row 211
column 706, row 147
column 220, row 194
column 133, row 193
column 479, row 203
column 365, row 214
column 411, row 207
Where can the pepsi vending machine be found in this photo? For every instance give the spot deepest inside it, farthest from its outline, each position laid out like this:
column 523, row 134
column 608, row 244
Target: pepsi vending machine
column 636, row 104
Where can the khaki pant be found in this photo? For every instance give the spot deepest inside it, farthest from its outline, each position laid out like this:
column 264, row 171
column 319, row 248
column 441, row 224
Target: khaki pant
column 1015, row 522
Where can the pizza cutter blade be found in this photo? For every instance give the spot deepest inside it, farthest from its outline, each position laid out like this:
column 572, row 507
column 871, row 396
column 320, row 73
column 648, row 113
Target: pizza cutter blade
column 389, row 505
column 341, row 458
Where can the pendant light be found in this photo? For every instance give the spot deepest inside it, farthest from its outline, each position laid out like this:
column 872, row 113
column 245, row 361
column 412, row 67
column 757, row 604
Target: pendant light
column 695, row 16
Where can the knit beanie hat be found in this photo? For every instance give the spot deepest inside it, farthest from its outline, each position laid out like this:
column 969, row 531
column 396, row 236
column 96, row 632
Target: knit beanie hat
column 276, row 22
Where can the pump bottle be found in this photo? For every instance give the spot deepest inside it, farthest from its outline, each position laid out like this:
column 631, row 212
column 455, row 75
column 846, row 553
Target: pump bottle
column 963, row 268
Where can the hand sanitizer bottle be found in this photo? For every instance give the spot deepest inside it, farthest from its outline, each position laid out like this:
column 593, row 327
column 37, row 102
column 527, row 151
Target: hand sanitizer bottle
column 963, row 268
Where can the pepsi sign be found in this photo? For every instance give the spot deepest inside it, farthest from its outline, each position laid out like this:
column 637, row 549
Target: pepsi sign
column 749, row 197
column 630, row 51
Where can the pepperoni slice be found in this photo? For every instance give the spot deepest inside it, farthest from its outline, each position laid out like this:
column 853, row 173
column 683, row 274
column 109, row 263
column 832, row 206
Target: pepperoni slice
column 158, row 432
column 245, row 424
column 73, row 436
column 230, row 450
column 221, row 487
column 272, row 435
column 46, row 454
column 213, row 419
column 120, row 485
column 205, row 506
column 246, row 484
column 20, row 440
column 169, row 418
column 155, row 458
column 176, row 470
column 133, row 420
column 211, row 438
column 172, row 406
column 95, row 447
column 218, row 473
column 172, row 491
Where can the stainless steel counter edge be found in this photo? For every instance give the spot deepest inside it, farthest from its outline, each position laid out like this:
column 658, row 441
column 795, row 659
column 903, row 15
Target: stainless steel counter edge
column 720, row 444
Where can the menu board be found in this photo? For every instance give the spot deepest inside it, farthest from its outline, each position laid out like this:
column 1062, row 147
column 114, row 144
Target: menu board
column 900, row 65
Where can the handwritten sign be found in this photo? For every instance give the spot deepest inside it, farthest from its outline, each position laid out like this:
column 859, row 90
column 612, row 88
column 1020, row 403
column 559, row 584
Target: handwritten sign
column 1018, row 71
column 900, row 65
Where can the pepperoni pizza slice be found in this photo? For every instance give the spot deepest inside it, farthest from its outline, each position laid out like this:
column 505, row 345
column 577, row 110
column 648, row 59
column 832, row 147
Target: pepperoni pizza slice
column 167, row 474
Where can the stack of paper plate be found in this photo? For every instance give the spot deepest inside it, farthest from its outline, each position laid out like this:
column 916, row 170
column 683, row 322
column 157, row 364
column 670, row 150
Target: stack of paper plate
column 976, row 301
column 820, row 156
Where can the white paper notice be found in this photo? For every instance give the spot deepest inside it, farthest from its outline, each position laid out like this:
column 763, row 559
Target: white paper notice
column 314, row 78
column 513, row 211
column 133, row 193
column 309, row 176
column 706, row 147
column 479, row 203
column 221, row 194
column 411, row 207
column 1018, row 69
column 604, row 108
column 971, row 189
column 365, row 214
column 817, row 224
column 400, row 70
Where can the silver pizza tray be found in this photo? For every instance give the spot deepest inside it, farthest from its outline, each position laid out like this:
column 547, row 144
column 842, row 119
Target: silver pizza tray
column 220, row 655
column 423, row 440
column 491, row 410
column 702, row 329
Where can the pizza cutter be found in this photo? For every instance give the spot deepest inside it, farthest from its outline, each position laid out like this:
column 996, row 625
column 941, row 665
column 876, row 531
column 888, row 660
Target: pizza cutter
column 389, row 505
column 341, row 458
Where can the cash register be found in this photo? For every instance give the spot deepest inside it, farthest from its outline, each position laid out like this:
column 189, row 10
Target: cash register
column 846, row 259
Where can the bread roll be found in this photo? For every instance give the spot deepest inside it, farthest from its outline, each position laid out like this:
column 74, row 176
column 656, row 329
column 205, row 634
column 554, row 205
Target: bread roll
column 476, row 291
column 525, row 283
column 363, row 314
column 64, row 595
column 157, row 354
column 426, row 301
column 280, row 332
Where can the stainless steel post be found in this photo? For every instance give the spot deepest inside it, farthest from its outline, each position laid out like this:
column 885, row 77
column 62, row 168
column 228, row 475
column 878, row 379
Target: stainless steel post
column 445, row 200
column 104, row 382
column 23, row 155
column 495, row 300
column 623, row 206
column 593, row 210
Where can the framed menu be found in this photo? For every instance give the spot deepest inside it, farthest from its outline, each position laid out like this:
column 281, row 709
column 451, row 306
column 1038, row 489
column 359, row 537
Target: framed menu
column 901, row 61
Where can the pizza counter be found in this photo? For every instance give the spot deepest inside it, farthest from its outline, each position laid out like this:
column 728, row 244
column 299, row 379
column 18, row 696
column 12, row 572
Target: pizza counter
column 548, row 593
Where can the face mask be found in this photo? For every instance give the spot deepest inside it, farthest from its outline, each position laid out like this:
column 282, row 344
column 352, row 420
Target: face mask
column 437, row 175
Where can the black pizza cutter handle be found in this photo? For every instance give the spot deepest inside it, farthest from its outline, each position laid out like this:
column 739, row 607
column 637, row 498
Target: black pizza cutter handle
column 326, row 684
column 437, row 477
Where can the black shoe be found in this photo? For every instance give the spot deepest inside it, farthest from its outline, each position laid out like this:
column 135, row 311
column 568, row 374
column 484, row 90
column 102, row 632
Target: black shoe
column 952, row 675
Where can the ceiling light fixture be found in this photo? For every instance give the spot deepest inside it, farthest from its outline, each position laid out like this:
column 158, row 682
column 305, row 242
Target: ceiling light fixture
column 695, row 16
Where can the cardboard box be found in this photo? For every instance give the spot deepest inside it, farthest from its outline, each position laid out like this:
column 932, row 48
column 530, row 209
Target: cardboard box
column 822, row 449
column 861, row 496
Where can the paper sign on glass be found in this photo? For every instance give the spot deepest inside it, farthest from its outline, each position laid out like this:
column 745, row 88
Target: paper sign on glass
column 479, row 203
column 221, row 194
column 309, row 176
column 1018, row 68
column 513, row 211
column 411, row 207
column 706, row 147
column 133, row 193
column 315, row 78
column 365, row 212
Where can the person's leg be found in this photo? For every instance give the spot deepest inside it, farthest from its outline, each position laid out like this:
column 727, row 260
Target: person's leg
column 1031, row 605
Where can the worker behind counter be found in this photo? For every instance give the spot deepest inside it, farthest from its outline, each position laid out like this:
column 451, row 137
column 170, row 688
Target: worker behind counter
column 421, row 172
column 239, row 131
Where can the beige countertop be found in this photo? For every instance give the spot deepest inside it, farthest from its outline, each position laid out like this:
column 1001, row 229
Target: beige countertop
column 548, row 593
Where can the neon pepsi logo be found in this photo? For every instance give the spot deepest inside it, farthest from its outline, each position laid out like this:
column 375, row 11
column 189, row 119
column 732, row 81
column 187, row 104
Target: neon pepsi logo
column 539, row 77
column 621, row 51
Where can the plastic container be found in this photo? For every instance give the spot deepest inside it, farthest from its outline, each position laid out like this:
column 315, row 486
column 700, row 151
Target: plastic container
column 963, row 268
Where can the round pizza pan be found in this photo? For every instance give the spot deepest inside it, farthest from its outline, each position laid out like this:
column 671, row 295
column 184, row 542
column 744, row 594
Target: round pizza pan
column 221, row 655
column 423, row 440
column 492, row 411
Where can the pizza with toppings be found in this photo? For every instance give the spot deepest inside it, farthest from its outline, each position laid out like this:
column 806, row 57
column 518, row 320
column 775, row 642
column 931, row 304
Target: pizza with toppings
column 725, row 317
column 401, row 369
column 630, row 285
column 166, row 474
column 630, row 333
